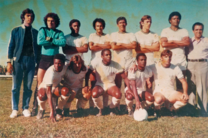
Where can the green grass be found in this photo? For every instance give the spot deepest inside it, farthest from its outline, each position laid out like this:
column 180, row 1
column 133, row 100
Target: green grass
column 92, row 126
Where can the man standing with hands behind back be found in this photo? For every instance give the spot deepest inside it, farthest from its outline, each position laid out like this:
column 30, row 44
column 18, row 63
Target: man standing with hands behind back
column 198, row 67
column 22, row 50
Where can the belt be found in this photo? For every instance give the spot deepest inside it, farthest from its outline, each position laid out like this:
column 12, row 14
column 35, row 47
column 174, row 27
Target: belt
column 197, row 60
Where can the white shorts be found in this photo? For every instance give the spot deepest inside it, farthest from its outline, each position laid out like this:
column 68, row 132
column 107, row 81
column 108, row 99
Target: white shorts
column 182, row 65
column 105, row 86
column 126, row 63
column 138, row 91
column 166, row 93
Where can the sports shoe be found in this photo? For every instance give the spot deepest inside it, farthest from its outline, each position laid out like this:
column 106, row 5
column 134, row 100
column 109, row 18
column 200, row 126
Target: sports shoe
column 13, row 114
column 34, row 111
column 66, row 111
column 26, row 113
column 58, row 114
column 40, row 114
column 130, row 113
column 157, row 114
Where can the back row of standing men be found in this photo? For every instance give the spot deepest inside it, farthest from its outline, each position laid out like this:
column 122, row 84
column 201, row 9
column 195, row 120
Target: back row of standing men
column 24, row 41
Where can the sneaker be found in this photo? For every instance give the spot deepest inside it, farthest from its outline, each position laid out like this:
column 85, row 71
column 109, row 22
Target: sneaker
column 40, row 114
column 66, row 111
column 34, row 112
column 130, row 113
column 26, row 113
column 157, row 114
column 58, row 114
column 14, row 114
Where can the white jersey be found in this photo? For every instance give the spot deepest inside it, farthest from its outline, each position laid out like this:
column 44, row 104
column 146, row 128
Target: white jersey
column 178, row 55
column 75, row 42
column 140, row 77
column 126, row 38
column 74, row 80
column 105, row 75
column 99, row 40
column 52, row 77
column 165, row 77
column 147, row 39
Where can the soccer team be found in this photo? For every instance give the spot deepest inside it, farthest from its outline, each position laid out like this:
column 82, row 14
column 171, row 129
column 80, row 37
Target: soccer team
column 60, row 77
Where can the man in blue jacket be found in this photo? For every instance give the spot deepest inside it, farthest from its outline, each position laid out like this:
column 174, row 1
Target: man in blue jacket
column 22, row 50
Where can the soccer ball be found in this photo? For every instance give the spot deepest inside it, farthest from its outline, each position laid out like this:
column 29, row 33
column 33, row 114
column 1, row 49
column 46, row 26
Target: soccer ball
column 140, row 115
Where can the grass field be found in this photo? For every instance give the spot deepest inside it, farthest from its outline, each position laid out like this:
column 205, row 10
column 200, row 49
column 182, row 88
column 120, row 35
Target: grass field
column 92, row 126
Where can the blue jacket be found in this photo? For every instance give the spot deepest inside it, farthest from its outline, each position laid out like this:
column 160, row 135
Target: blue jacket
column 16, row 43
column 50, row 48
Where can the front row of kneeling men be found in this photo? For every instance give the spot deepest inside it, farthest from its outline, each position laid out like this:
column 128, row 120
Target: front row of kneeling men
column 65, row 80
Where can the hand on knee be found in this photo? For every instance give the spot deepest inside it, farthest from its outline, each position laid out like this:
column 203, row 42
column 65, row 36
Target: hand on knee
column 129, row 97
column 118, row 95
column 42, row 95
column 65, row 91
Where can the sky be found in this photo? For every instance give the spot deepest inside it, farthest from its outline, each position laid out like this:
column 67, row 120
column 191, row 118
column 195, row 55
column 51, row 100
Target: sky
column 87, row 10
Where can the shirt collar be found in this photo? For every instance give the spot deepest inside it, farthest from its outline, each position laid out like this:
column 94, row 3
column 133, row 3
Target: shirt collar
column 201, row 39
column 23, row 26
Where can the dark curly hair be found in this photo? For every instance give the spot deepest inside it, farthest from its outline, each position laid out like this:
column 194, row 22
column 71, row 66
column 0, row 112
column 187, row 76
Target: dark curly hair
column 54, row 16
column 175, row 13
column 73, row 21
column 121, row 18
column 22, row 16
column 100, row 21
column 77, row 58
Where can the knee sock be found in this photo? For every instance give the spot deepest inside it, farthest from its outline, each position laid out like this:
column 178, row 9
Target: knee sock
column 41, row 104
column 114, row 102
column 62, row 101
column 177, row 105
column 129, row 104
column 98, row 102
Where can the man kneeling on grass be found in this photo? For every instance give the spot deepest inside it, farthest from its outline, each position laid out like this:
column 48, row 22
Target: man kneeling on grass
column 165, row 74
column 49, row 88
column 73, row 80
column 137, row 85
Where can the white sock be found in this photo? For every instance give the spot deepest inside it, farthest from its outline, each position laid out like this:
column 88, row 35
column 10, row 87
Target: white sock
column 149, row 103
column 98, row 102
column 157, row 106
column 129, row 104
column 81, row 103
column 177, row 105
column 41, row 104
column 62, row 101
column 114, row 102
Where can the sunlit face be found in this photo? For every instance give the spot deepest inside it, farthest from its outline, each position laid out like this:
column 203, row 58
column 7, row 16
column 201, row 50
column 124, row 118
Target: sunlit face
column 175, row 21
column 122, row 25
column 51, row 23
column 75, row 26
column 146, row 24
column 166, row 60
column 99, row 27
column 77, row 66
column 141, row 61
column 198, row 31
column 106, row 57
column 28, row 18
column 58, row 65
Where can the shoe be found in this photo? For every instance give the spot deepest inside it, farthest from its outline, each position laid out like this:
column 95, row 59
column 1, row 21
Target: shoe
column 13, row 114
column 34, row 111
column 66, row 111
column 130, row 113
column 112, row 112
column 40, row 114
column 26, row 113
column 157, row 114
column 58, row 114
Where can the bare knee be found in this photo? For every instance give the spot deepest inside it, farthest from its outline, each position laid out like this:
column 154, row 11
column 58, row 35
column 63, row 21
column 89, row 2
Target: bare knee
column 129, row 97
column 158, row 100
column 150, row 98
column 118, row 95
column 42, row 94
column 65, row 91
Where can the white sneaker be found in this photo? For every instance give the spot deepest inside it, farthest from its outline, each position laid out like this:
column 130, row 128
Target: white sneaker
column 13, row 114
column 26, row 113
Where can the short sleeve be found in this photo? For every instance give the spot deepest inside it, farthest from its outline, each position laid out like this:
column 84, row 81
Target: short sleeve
column 107, row 38
column 185, row 33
column 118, row 67
column 84, row 40
column 49, row 75
column 163, row 33
column 132, row 37
column 178, row 72
column 91, row 38
column 132, row 75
